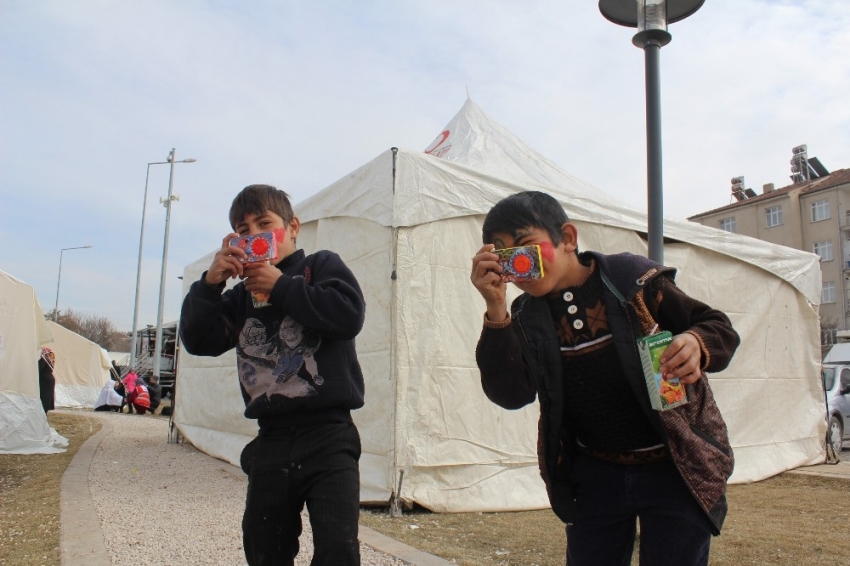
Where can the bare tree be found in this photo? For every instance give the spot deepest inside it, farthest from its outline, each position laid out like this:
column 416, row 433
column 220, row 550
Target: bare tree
column 98, row 329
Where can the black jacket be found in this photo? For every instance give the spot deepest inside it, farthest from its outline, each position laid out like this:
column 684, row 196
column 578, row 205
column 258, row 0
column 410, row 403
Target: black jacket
column 295, row 357
column 522, row 361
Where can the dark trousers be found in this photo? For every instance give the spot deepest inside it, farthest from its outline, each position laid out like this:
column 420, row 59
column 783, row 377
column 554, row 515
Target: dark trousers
column 611, row 498
column 291, row 466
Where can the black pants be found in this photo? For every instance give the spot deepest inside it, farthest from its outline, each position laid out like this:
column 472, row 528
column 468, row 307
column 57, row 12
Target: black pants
column 291, row 466
column 612, row 498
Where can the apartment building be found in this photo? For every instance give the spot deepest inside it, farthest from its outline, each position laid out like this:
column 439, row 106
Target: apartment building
column 812, row 214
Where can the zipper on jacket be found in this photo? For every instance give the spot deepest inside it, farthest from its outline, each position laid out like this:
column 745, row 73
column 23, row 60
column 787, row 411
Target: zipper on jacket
column 641, row 281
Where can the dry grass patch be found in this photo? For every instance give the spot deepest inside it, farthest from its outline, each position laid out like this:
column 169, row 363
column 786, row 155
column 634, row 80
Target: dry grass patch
column 788, row 520
column 29, row 506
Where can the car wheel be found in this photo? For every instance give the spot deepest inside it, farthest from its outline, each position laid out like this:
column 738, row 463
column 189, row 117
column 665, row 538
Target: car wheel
column 835, row 434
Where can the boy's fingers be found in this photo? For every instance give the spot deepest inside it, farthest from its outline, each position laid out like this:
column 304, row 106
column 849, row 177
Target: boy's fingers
column 225, row 242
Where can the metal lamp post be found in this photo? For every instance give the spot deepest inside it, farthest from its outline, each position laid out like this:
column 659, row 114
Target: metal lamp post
column 59, row 279
column 166, row 202
column 651, row 18
column 139, row 264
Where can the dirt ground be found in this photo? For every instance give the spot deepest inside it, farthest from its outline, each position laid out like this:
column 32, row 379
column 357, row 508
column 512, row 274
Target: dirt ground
column 29, row 496
column 788, row 520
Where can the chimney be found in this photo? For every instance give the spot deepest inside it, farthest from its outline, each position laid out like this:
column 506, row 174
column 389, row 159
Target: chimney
column 767, row 188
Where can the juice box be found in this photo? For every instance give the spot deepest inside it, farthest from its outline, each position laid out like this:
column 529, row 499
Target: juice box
column 663, row 394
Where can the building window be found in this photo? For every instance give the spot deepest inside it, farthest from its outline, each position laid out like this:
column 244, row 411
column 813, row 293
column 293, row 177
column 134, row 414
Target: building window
column 727, row 224
column 774, row 216
column 824, row 250
column 820, row 210
column 827, row 294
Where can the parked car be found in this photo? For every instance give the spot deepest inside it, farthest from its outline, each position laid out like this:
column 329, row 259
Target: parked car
column 836, row 385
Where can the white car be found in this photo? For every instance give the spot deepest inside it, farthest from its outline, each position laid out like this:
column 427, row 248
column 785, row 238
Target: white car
column 836, row 386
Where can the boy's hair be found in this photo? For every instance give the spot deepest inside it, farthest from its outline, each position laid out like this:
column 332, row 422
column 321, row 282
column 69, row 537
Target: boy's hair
column 528, row 209
column 258, row 199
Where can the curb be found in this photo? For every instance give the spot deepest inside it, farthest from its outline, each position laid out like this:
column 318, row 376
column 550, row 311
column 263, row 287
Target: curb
column 81, row 541
column 399, row 550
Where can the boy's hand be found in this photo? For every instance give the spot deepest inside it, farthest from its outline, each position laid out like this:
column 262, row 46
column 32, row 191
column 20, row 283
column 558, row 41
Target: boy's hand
column 682, row 359
column 261, row 277
column 226, row 264
column 487, row 278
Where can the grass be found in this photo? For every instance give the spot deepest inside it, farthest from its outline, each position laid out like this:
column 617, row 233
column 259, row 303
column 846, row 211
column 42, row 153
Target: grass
column 788, row 520
column 29, row 505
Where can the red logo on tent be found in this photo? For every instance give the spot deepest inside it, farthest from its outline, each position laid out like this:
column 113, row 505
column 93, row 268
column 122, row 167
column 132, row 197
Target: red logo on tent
column 436, row 148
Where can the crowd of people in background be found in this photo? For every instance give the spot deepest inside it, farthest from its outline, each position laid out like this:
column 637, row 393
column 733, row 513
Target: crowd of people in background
column 132, row 391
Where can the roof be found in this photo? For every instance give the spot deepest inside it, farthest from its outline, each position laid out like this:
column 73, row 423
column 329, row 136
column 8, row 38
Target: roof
column 834, row 179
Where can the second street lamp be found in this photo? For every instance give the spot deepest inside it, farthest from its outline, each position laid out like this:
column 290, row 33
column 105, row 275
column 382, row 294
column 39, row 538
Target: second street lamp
column 651, row 18
column 59, row 279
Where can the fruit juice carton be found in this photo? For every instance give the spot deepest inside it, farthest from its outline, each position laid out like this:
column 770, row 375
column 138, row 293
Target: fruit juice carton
column 663, row 394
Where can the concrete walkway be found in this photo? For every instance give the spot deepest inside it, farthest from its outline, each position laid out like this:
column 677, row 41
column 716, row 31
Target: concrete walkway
column 82, row 541
column 840, row 470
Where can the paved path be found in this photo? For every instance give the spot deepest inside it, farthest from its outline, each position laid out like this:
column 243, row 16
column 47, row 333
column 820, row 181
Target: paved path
column 129, row 497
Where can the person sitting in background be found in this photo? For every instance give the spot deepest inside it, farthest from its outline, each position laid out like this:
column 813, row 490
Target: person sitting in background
column 46, row 380
column 139, row 397
column 155, row 392
column 109, row 398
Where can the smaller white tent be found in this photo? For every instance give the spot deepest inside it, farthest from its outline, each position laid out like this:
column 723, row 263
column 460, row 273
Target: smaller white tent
column 82, row 367
column 23, row 424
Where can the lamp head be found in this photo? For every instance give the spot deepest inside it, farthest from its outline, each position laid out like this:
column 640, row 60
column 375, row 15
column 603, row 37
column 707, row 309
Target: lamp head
column 650, row 17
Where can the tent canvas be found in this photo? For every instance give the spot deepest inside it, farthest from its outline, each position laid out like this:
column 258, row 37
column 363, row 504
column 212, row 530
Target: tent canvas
column 23, row 424
column 82, row 367
column 407, row 223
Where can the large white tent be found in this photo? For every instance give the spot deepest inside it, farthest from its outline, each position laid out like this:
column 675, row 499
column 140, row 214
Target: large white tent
column 23, row 424
column 82, row 367
column 408, row 222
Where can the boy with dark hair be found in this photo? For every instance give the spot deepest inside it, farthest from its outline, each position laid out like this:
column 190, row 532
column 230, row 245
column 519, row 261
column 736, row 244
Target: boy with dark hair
column 293, row 321
column 607, row 458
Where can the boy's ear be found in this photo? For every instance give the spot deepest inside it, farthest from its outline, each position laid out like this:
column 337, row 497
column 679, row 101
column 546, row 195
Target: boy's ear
column 570, row 240
column 294, row 226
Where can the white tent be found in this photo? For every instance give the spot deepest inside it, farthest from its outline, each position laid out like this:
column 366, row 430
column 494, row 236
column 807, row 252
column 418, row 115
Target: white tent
column 407, row 223
column 23, row 424
column 82, row 367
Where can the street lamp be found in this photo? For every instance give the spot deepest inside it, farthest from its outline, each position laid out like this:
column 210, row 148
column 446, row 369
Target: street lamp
column 166, row 202
column 650, row 17
column 139, row 264
column 59, row 280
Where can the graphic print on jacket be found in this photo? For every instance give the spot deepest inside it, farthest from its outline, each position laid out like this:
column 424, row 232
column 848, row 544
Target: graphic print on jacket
column 278, row 361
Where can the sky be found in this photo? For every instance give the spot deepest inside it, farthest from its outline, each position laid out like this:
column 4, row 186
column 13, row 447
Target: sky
column 298, row 94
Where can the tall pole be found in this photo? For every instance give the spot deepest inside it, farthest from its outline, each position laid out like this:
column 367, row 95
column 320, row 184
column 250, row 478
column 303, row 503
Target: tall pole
column 167, row 203
column 139, row 267
column 59, row 280
column 654, row 179
column 133, row 339
column 651, row 17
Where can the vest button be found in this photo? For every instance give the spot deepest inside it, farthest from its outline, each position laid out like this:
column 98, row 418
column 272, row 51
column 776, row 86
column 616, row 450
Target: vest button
column 568, row 296
column 578, row 325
